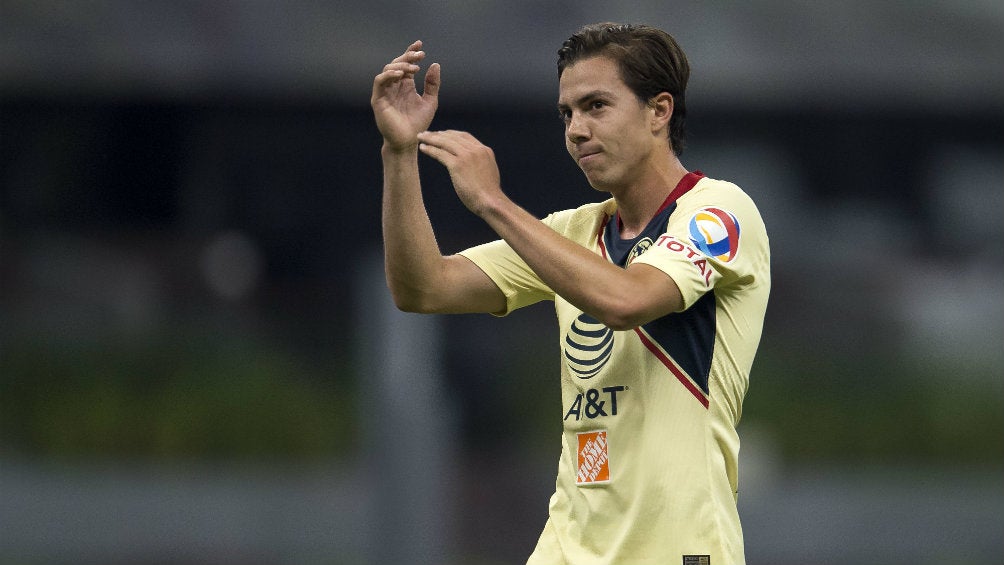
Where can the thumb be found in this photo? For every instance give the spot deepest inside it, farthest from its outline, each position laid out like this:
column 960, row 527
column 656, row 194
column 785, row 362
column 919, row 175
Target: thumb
column 432, row 81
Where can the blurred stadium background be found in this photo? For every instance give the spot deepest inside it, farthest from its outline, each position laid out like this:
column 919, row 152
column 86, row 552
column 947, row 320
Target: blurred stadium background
column 198, row 364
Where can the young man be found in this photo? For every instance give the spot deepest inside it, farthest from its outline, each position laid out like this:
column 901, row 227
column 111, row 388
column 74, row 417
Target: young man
column 660, row 294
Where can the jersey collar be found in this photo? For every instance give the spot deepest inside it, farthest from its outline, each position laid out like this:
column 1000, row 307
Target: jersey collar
column 619, row 250
column 686, row 183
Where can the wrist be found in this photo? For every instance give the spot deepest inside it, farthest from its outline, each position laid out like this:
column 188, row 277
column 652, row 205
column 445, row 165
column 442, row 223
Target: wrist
column 493, row 208
column 399, row 149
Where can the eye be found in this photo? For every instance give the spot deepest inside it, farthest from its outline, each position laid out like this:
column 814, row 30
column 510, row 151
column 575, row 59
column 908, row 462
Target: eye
column 597, row 105
column 565, row 115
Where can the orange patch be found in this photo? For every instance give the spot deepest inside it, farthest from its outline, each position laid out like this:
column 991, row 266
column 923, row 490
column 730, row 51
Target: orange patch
column 593, row 459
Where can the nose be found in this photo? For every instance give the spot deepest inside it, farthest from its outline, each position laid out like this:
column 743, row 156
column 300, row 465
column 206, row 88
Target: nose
column 575, row 129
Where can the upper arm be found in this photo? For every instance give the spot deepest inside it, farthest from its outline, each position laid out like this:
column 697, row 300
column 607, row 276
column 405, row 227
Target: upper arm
column 453, row 285
column 470, row 289
column 465, row 288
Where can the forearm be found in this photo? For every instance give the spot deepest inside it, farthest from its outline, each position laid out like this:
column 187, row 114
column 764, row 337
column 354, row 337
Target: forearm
column 619, row 298
column 411, row 254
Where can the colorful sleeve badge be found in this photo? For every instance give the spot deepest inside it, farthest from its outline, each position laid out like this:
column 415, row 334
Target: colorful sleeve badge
column 715, row 232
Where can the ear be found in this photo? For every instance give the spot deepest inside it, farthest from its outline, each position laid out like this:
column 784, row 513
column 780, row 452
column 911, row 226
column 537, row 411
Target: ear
column 661, row 106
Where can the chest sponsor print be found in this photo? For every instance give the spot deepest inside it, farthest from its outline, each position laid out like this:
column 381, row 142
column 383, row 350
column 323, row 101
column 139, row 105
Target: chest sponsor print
column 593, row 458
column 594, row 403
column 588, row 345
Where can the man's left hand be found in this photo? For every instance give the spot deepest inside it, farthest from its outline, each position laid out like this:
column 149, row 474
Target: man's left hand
column 471, row 164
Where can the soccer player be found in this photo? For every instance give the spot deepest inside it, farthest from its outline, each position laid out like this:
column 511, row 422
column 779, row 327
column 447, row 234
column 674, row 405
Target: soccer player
column 660, row 293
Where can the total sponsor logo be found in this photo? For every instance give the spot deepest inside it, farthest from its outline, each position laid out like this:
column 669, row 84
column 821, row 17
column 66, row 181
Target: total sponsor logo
column 696, row 257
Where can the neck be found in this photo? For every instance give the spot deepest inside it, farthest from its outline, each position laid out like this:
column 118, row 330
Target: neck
column 638, row 203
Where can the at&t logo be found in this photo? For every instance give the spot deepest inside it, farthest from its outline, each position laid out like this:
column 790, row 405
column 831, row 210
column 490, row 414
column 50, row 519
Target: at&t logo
column 588, row 345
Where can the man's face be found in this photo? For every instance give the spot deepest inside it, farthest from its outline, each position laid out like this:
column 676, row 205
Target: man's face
column 608, row 131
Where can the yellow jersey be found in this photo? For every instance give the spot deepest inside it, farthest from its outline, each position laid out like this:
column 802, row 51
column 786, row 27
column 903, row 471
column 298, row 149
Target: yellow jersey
column 648, row 470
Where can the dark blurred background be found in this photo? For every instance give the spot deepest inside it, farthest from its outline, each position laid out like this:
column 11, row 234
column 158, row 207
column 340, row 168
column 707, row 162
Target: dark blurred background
column 198, row 363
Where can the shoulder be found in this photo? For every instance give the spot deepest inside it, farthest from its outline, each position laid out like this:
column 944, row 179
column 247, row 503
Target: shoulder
column 721, row 220
column 715, row 189
column 587, row 217
column 713, row 196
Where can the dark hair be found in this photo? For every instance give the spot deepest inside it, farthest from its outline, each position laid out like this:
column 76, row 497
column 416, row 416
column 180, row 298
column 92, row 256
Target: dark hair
column 650, row 61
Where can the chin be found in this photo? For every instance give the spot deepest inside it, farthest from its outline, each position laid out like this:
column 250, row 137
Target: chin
column 598, row 184
column 599, row 187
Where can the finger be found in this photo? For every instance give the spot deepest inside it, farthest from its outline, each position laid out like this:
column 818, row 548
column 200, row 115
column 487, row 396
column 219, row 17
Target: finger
column 453, row 141
column 387, row 78
column 413, row 53
column 437, row 153
column 442, row 139
column 399, row 70
column 402, row 66
column 409, row 57
column 432, row 81
column 449, row 139
column 431, row 139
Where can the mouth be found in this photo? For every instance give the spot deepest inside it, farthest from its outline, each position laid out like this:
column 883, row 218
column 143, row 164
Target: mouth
column 587, row 156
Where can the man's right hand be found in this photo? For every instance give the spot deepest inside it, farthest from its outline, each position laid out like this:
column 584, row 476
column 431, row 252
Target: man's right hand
column 401, row 112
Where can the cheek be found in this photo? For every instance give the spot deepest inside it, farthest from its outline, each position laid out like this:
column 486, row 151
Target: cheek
column 638, row 145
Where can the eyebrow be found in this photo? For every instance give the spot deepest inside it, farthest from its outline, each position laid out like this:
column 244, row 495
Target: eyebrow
column 587, row 97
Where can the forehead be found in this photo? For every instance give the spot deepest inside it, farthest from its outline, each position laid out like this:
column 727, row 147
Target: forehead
column 590, row 75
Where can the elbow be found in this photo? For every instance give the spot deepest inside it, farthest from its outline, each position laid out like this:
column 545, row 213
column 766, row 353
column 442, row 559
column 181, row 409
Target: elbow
column 406, row 293
column 620, row 323
column 409, row 302
column 636, row 306
column 626, row 314
column 406, row 305
column 408, row 298
column 620, row 318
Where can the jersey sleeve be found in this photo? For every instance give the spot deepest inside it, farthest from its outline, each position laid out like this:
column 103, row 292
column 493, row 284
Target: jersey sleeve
column 714, row 239
column 517, row 281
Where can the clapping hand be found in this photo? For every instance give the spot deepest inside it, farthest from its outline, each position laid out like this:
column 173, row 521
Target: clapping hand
column 400, row 111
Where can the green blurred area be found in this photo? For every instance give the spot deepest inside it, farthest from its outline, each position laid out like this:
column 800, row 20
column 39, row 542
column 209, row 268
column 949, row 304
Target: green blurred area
column 178, row 397
column 208, row 397
column 877, row 410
